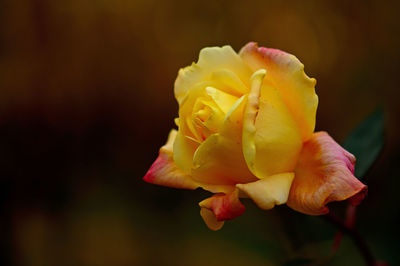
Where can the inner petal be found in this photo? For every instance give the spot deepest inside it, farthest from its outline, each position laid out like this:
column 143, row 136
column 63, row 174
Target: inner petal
column 229, row 82
column 206, row 117
column 223, row 100
column 219, row 159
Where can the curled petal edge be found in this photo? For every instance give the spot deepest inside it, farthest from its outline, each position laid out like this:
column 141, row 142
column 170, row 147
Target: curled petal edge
column 221, row 207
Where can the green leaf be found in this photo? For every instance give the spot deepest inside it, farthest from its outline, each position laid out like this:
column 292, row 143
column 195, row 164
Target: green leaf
column 366, row 142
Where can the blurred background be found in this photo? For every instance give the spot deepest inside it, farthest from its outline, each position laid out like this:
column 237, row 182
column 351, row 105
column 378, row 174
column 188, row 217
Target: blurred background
column 86, row 100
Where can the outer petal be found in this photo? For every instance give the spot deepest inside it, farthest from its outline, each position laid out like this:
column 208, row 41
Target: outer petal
column 286, row 73
column 324, row 174
column 271, row 139
column 221, row 207
column 219, row 159
column 269, row 191
column 210, row 59
column 164, row 171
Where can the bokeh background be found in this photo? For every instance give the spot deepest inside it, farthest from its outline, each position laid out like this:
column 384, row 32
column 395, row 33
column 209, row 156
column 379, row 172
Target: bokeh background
column 86, row 100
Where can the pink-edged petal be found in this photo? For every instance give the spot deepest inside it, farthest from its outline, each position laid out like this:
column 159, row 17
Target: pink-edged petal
column 286, row 73
column 269, row 191
column 221, row 207
column 324, row 173
column 165, row 172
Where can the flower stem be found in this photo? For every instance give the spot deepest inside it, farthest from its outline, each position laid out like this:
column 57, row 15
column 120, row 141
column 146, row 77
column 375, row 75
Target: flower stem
column 359, row 241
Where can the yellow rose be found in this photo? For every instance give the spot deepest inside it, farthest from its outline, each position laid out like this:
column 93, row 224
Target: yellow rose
column 246, row 129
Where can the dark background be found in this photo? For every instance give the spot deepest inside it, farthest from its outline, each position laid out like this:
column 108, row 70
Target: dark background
column 86, row 100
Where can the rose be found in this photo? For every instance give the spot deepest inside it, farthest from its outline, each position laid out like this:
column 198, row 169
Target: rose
column 246, row 129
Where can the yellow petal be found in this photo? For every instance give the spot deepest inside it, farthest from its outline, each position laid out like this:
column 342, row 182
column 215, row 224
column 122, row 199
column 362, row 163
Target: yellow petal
column 164, row 171
column 210, row 59
column 186, row 127
column 286, row 73
column 270, row 191
column 324, row 173
column 209, row 112
column 207, row 117
column 184, row 149
column 271, row 139
column 224, row 100
column 202, row 102
column 219, row 159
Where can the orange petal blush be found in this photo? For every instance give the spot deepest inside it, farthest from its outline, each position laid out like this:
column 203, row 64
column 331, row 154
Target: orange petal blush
column 324, row 173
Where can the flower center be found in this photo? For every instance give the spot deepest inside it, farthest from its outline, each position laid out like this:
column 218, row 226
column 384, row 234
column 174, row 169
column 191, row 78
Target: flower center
column 207, row 117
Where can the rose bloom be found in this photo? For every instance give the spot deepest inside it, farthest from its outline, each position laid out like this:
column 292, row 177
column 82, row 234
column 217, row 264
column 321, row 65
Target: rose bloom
column 246, row 129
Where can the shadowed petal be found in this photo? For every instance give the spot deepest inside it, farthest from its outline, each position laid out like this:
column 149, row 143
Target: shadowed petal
column 324, row 173
column 165, row 172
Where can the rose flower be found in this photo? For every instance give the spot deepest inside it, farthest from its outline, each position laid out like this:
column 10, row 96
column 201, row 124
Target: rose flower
column 246, row 129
